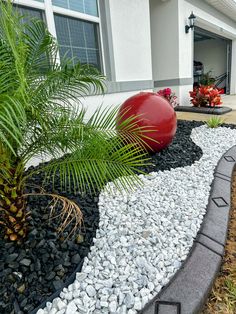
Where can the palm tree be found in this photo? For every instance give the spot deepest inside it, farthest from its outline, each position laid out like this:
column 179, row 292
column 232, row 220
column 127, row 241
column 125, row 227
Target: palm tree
column 40, row 116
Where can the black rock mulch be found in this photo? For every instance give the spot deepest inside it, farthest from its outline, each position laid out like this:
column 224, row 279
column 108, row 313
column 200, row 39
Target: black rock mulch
column 34, row 271
column 29, row 274
column 181, row 153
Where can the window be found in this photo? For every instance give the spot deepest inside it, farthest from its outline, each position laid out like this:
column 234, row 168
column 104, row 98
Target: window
column 25, row 11
column 78, row 39
column 83, row 6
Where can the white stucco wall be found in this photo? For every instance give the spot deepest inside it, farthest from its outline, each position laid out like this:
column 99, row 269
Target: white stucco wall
column 164, row 34
column 130, row 25
column 91, row 103
column 183, row 93
column 172, row 48
column 185, row 41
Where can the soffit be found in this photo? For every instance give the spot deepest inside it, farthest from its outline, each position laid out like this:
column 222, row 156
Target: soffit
column 228, row 7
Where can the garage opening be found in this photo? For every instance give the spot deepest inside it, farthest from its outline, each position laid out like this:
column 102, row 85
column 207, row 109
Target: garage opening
column 212, row 59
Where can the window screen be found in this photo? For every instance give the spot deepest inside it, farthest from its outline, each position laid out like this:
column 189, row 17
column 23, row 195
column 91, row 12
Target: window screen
column 78, row 39
column 83, row 6
column 25, row 11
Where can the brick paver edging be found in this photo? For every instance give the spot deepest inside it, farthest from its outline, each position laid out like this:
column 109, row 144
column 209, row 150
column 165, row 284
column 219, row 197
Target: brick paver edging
column 188, row 290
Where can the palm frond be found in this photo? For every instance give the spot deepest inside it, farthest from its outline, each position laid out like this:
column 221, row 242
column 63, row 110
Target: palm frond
column 111, row 122
column 12, row 42
column 63, row 133
column 42, row 48
column 69, row 215
column 96, row 162
column 12, row 122
column 64, row 84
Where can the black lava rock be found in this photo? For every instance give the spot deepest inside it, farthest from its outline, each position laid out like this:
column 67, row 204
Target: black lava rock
column 181, row 153
column 76, row 259
column 25, row 262
column 11, row 257
column 30, row 273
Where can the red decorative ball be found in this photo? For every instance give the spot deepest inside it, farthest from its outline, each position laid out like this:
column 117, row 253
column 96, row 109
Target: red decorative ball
column 153, row 112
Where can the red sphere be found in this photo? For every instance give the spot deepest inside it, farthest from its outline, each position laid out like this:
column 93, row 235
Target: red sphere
column 153, row 112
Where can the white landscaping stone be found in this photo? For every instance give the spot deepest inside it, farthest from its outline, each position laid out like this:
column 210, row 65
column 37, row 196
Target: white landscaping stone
column 145, row 235
column 113, row 307
column 91, row 291
column 60, row 304
column 71, row 308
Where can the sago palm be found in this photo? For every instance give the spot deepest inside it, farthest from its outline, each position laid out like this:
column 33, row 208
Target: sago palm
column 40, row 116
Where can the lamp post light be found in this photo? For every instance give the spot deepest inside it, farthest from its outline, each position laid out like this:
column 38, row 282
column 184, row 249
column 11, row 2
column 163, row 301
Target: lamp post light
column 191, row 18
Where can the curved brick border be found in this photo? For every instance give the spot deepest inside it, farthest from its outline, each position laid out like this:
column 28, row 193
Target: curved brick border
column 187, row 291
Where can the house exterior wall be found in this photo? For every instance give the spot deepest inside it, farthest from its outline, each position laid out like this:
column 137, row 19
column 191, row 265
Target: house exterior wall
column 143, row 43
column 165, row 43
column 131, row 39
column 172, row 49
column 127, row 52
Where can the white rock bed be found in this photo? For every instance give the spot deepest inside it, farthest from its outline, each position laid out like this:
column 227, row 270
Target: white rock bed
column 144, row 236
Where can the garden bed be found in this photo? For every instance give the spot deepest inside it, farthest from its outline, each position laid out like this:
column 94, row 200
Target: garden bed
column 30, row 274
column 130, row 260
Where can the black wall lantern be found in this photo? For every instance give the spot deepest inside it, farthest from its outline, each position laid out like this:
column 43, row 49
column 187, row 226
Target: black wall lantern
column 191, row 18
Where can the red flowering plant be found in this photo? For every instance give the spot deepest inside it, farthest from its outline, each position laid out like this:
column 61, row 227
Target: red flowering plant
column 203, row 96
column 169, row 95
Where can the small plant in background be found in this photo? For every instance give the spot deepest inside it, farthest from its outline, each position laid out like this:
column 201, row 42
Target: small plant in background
column 214, row 122
column 169, row 95
column 204, row 96
column 207, row 79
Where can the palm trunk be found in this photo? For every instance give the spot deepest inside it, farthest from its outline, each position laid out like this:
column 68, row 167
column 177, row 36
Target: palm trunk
column 13, row 213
